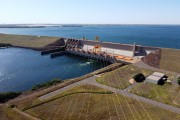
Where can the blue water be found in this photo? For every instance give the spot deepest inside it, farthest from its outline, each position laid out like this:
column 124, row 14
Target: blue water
column 149, row 35
column 20, row 69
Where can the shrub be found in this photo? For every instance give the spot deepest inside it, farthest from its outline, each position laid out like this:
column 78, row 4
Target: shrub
column 5, row 44
column 139, row 77
column 50, row 83
column 179, row 80
column 7, row 96
column 12, row 106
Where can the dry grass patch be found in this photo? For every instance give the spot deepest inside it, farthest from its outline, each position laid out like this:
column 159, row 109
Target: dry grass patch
column 27, row 41
column 168, row 94
column 120, row 77
column 99, row 106
column 33, row 101
column 7, row 113
column 170, row 60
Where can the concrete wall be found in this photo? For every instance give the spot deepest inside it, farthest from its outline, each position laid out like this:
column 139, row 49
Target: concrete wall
column 108, row 45
column 151, row 81
column 125, row 49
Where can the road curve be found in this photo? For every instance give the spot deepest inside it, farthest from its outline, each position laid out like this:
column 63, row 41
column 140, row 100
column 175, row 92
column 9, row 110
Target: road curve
column 124, row 92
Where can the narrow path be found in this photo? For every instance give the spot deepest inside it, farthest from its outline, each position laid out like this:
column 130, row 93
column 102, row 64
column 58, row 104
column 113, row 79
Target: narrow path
column 51, row 94
column 131, row 86
column 23, row 113
column 124, row 92
column 136, row 97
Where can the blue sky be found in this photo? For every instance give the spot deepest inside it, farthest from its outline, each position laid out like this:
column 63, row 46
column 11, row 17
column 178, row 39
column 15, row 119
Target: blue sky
column 90, row 11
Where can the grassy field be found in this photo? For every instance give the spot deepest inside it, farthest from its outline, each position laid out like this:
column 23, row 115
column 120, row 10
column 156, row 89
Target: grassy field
column 94, row 105
column 120, row 77
column 9, row 114
column 168, row 94
column 26, row 102
column 77, row 90
column 27, row 41
column 170, row 60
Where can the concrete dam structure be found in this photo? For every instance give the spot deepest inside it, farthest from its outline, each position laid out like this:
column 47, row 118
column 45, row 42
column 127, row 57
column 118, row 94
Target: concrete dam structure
column 106, row 51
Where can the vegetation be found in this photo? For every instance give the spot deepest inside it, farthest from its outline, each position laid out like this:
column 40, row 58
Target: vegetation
column 5, row 44
column 74, row 80
column 7, row 113
column 90, row 102
column 7, row 96
column 97, row 106
column 139, row 77
column 27, row 41
column 21, row 104
column 50, row 83
column 168, row 94
column 76, row 90
column 170, row 60
column 120, row 77
column 179, row 80
column 68, row 94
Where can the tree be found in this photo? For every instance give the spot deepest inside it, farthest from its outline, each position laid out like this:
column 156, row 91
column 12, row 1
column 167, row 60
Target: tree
column 97, row 38
column 179, row 80
column 139, row 77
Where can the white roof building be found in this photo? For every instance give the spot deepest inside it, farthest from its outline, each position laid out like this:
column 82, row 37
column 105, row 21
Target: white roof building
column 155, row 77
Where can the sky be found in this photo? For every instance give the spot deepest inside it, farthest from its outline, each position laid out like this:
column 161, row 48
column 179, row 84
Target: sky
column 89, row 11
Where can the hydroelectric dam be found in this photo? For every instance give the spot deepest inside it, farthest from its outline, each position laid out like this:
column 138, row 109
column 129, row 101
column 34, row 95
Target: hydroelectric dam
column 106, row 51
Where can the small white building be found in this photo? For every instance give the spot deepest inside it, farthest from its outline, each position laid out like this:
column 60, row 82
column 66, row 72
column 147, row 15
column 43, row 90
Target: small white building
column 155, row 77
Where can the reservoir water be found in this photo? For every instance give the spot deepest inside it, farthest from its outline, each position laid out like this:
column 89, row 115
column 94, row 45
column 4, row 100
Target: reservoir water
column 149, row 35
column 20, row 69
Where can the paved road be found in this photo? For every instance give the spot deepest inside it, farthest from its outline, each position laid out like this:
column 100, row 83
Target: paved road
column 131, row 86
column 54, row 93
column 124, row 92
column 133, row 96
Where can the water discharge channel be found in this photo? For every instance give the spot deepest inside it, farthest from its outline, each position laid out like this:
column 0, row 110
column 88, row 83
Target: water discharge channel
column 20, row 69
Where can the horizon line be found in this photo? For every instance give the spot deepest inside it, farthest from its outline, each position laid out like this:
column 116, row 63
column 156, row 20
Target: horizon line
column 79, row 24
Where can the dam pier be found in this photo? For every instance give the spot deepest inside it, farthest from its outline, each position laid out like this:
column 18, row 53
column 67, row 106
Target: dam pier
column 102, row 51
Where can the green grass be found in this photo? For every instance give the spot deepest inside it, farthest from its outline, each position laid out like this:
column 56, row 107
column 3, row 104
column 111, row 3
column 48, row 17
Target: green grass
column 170, row 60
column 27, row 41
column 47, row 84
column 98, row 106
column 32, row 101
column 168, row 94
column 120, row 77
column 77, row 90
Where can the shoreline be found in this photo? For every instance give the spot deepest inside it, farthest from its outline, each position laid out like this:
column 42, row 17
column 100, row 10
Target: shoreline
column 58, row 42
column 39, row 48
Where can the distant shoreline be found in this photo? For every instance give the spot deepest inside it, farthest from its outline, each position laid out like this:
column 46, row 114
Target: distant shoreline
column 75, row 25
